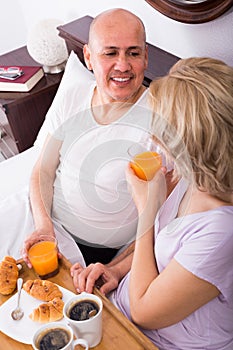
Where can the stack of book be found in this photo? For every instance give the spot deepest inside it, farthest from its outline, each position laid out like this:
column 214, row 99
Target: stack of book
column 30, row 76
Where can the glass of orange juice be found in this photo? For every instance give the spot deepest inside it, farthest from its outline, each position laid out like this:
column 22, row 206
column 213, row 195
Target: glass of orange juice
column 145, row 159
column 43, row 256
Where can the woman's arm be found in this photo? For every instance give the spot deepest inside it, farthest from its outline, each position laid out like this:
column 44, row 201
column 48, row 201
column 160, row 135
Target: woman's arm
column 159, row 300
column 169, row 297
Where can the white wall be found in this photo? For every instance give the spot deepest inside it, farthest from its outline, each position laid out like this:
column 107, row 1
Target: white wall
column 213, row 38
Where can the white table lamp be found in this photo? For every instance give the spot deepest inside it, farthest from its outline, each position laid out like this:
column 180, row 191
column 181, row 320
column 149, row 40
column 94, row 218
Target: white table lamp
column 46, row 47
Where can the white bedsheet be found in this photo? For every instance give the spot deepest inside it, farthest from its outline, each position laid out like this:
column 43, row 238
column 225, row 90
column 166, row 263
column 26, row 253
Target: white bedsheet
column 15, row 172
column 16, row 221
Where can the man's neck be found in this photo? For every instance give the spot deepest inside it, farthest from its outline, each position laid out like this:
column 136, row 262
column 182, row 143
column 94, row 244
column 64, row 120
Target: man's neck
column 107, row 113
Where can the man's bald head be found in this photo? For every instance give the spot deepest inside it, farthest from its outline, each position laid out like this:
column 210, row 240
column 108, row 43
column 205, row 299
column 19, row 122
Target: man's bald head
column 113, row 18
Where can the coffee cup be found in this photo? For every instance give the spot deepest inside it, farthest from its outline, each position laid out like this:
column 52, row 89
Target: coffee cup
column 56, row 336
column 84, row 314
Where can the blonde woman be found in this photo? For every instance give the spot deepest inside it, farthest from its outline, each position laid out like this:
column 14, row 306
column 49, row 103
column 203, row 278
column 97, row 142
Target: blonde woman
column 180, row 287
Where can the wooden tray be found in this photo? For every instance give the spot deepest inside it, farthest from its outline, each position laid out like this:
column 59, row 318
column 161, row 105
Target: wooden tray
column 118, row 331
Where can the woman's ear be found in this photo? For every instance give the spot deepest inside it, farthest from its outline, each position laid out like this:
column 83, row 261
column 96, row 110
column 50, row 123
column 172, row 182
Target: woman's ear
column 87, row 56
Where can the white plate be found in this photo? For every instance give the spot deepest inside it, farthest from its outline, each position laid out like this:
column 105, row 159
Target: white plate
column 24, row 329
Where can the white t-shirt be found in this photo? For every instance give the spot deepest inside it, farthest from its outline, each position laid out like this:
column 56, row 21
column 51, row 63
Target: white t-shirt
column 91, row 198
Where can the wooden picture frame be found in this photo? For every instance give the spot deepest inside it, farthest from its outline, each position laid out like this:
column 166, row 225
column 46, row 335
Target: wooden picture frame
column 191, row 11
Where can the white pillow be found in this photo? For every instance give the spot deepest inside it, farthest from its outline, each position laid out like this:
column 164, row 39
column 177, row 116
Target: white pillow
column 74, row 73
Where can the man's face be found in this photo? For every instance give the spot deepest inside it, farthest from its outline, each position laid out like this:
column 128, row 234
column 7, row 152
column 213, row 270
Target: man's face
column 118, row 56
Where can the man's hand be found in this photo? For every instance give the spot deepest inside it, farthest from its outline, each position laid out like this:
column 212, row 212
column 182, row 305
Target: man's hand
column 95, row 275
column 36, row 236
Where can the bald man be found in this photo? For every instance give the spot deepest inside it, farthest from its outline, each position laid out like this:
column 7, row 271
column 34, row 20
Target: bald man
column 78, row 183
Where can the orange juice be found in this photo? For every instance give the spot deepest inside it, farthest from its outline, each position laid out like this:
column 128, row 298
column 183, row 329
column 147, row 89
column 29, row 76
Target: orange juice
column 43, row 257
column 146, row 164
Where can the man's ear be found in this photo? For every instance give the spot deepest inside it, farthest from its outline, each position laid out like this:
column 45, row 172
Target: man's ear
column 87, row 56
column 146, row 56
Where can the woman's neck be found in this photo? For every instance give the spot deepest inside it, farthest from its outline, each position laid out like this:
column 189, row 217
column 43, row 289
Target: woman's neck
column 195, row 201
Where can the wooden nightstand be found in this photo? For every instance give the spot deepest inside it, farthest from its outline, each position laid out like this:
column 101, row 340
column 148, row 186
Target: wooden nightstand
column 24, row 111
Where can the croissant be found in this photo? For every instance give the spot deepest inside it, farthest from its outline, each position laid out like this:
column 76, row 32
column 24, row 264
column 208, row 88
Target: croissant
column 48, row 312
column 42, row 289
column 8, row 275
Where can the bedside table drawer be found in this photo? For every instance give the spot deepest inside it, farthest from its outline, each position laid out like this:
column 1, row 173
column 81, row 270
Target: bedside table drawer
column 8, row 146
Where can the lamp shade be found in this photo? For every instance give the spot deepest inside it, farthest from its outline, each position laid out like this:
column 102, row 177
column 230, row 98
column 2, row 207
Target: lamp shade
column 46, row 47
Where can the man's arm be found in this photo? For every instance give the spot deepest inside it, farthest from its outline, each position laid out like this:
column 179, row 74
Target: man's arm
column 127, row 251
column 41, row 192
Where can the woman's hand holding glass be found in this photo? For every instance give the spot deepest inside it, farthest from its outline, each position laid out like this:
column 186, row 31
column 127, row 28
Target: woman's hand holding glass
column 148, row 196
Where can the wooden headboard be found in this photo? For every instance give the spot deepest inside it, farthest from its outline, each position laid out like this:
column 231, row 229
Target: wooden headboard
column 76, row 35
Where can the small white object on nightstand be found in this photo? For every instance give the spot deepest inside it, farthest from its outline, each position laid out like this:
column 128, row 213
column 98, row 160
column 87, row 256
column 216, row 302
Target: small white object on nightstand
column 46, row 47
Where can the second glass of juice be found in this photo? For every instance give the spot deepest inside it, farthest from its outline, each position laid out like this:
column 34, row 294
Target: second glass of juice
column 145, row 159
column 43, row 256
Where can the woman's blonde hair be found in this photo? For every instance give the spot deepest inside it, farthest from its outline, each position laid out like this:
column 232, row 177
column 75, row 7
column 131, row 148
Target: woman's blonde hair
column 193, row 118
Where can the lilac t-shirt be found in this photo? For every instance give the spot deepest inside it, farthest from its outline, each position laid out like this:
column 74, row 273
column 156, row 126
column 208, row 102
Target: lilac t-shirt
column 203, row 244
